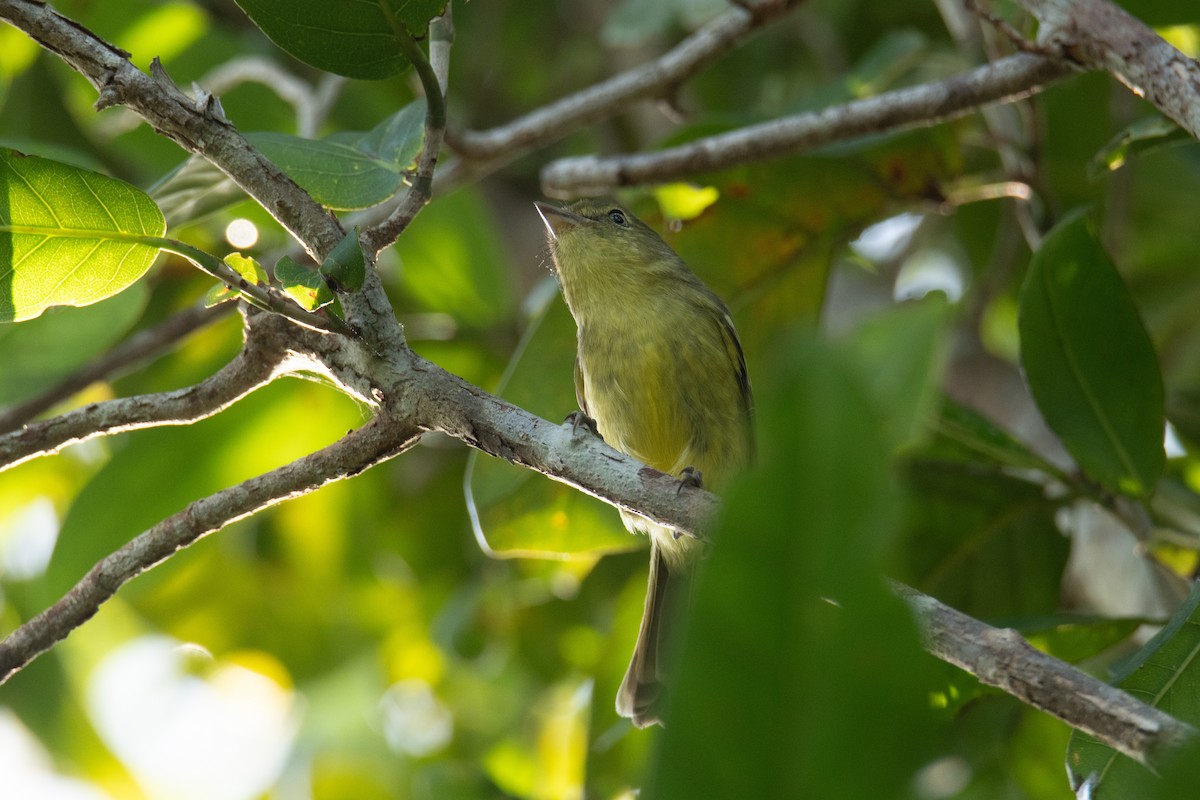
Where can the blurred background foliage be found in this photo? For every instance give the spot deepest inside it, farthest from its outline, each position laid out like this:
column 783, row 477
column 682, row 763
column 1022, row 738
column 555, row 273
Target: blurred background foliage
column 370, row 641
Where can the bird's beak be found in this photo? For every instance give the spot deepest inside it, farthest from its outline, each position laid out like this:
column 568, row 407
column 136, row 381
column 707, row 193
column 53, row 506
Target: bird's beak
column 558, row 220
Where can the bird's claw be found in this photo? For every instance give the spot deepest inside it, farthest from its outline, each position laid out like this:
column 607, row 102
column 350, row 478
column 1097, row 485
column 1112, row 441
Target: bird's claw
column 690, row 476
column 578, row 419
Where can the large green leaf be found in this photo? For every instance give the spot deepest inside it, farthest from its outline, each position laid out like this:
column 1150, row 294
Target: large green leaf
column 1090, row 363
column 354, row 38
column 68, row 236
column 794, row 640
column 350, row 171
column 1166, row 674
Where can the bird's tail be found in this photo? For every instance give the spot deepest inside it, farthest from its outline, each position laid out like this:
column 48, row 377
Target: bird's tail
column 643, row 691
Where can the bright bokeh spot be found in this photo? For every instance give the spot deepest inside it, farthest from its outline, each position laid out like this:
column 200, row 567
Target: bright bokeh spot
column 415, row 722
column 189, row 730
column 28, row 770
column 241, row 233
column 885, row 240
column 27, row 537
column 929, row 271
column 684, row 201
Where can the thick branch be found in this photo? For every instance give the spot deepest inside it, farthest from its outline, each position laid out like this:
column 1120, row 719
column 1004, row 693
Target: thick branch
column 198, row 125
column 487, row 151
column 141, row 346
column 1000, row 657
column 1006, row 80
column 258, row 363
column 378, row 440
column 1102, row 36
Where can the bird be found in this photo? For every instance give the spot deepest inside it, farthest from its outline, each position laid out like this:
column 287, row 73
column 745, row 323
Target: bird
column 660, row 371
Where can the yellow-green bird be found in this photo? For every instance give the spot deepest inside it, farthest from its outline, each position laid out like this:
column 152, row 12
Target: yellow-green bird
column 660, row 369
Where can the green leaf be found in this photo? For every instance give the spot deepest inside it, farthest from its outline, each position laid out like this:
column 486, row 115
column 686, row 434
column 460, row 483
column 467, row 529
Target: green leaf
column 963, row 434
column 900, row 354
column 1090, row 363
column 1166, row 674
column 68, row 236
column 972, row 536
column 1076, row 637
column 794, row 639
column 397, row 140
column 1138, row 139
column 345, row 264
column 40, row 352
column 515, row 511
column 335, row 173
column 194, row 190
column 353, row 38
column 249, row 268
column 304, row 284
column 349, row 171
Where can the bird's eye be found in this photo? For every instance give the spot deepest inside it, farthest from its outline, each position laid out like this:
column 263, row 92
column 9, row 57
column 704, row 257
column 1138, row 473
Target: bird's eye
column 617, row 216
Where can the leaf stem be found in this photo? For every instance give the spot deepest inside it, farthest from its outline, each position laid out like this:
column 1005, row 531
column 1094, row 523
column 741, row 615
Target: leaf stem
column 263, row 296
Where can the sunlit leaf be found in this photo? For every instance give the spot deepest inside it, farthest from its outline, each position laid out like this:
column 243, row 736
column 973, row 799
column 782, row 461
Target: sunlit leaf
column 1089, row 362
column 68, row 236
column 304, row 284
column 349, row 37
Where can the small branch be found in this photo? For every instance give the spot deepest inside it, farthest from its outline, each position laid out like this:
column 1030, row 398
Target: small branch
column 378, row 440
column 1102, row 36
column 261, row 295
column 259, row 362
column 1000, row 657
column 1006, row 80
column 383, row 235
column 486, row 151
column 198, row 125
column 310, row 103
column 143, row 345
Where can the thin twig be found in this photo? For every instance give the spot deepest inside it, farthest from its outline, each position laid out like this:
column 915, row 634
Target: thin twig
column 483, row 152
column 139, row 347
column 383, row 235
column 1006, row 80
column 261, row 359
column 1000, row 657
column 378, row 440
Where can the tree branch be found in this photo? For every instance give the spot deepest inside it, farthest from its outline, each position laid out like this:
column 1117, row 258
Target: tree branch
column 1006, row 80
column 141, row 346
column 484, row 152
column 260, row 361
column 377, row 441
column 1000, row 657
column 198, row 125
column 1101, row 36
column 433, row 81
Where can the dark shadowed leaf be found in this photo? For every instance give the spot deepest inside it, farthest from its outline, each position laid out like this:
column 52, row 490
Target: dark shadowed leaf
column 354, row 38
column 1166, row 674
column 1089, row 362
